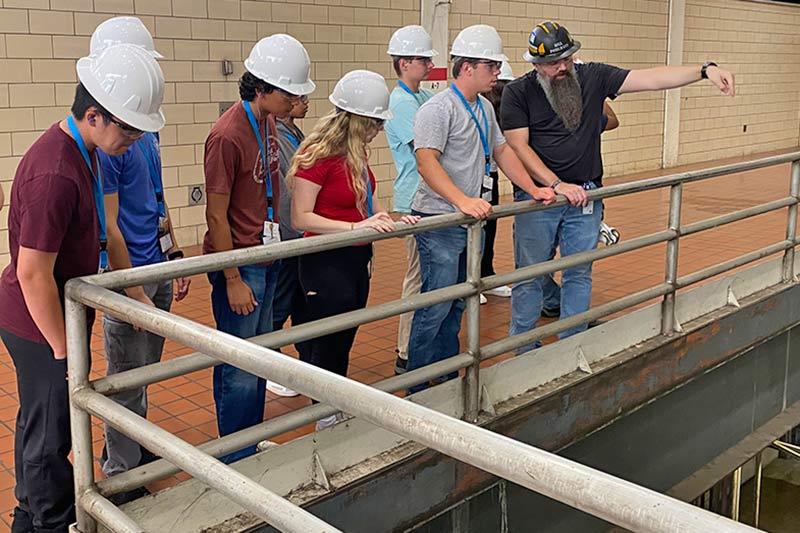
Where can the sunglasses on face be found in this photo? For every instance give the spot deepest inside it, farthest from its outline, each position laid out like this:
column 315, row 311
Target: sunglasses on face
column 128, row 131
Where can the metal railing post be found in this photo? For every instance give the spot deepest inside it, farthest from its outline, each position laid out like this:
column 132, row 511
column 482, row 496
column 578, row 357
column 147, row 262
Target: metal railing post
column 671, row 269
column 791, row 223
column 78, row 357
column 472, row 396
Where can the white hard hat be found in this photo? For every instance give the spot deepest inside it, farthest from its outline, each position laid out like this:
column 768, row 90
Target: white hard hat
column 505, row 72
column 362, row 92
column 479, row 42
column 127, row 82
column 411, row 41
column 282, row 61
column 120, row 30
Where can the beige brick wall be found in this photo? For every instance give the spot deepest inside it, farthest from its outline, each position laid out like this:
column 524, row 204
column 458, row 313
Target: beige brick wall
column 40, row 40
column 760, row 43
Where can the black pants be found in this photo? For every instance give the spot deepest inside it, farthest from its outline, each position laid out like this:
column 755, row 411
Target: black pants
column 42, row 441
column 487, row 260
column 333, row 282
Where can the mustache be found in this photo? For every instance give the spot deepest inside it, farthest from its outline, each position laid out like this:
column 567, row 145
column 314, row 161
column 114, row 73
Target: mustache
column 565, row 96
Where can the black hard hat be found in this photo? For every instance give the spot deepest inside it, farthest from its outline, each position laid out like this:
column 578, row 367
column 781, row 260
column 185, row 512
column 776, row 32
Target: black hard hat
column 550, row 41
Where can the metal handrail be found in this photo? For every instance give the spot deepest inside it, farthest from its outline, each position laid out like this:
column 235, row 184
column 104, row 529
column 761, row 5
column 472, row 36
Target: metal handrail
column 88, row 397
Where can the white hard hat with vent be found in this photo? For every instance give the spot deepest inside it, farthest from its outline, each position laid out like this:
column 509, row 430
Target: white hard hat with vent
column 283, row 62
column 362, row 92
column 506, row 73
column 479, row 42
column 411, row 41
column 127, row 81
column 119, row 30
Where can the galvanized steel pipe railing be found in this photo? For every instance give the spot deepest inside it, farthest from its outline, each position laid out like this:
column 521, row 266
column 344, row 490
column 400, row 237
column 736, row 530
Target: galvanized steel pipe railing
column 607, row 497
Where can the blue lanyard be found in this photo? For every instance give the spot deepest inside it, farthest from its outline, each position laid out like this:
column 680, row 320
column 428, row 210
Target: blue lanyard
column 251, row 117
column 97, row 184
column 369, row 192
column 293, row 140
column 484, row 136
column 155, row 176
column 407, row 89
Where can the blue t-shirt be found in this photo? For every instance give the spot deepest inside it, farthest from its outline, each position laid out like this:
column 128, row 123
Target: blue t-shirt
column 128, row 175
column 400, row 134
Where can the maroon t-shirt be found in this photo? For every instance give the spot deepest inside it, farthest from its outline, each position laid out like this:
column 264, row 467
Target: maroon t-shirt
column 52, row 210
column 233, row 166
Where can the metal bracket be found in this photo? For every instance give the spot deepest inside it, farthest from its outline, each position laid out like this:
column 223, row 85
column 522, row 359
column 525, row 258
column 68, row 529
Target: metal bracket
column 318, row 474
column 583, row 363
column 732, row 300
column 487, row 405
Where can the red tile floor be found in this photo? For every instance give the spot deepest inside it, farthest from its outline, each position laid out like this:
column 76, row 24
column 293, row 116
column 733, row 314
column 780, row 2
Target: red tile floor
column 185, row 405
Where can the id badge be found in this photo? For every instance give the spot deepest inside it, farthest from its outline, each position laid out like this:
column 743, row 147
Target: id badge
column 165, row 243
column 589, row 209
column 486, row 188
column 272, row 233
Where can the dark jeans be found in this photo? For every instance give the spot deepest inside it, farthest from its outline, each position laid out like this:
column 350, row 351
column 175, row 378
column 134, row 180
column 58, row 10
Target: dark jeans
column 238, row 394
column 333, row 282
column 490, row 229
column 288, row 294
column 42, row 441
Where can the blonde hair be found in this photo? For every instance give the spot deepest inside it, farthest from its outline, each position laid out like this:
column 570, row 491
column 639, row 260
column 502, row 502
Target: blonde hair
column 337, row 133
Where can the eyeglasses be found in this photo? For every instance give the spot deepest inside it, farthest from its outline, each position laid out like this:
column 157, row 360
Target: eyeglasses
column 128, row 131
column 421, row 59
column 492, row 65
column 289, row 96
column 557, row 62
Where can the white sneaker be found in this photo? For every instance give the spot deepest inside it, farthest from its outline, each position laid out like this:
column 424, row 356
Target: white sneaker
column 329, row 421
column 280, row 390
column 503, row 291
column 483, row 299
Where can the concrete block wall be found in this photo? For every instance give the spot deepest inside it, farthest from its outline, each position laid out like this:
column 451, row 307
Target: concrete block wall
column 760, row 43
column 41, row 39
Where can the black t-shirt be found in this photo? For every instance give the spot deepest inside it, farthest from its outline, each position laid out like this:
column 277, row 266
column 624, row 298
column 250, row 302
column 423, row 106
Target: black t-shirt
column 573, row 157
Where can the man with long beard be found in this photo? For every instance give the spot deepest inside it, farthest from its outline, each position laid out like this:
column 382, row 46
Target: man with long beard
column 553, row 120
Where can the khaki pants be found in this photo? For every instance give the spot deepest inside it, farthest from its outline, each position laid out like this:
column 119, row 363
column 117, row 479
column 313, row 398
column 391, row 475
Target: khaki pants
column 411, row 286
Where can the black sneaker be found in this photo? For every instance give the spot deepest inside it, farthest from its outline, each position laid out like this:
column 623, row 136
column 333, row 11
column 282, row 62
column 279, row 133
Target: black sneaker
column 125, row 497
column 551, row 313
column 595, row 323
column 400, row 365
column 22, row 523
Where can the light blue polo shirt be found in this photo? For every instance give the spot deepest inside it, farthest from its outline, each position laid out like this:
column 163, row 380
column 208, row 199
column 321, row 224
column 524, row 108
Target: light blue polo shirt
column 400, row 134
column 128, row 175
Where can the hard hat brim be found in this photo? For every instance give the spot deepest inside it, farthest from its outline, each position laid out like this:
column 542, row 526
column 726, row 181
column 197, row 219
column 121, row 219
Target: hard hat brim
column 429, row 53
column 383, row 115
column 490, row 57
column 151, row 122
column 156, row 54
column 536, row 60
column 298, row 89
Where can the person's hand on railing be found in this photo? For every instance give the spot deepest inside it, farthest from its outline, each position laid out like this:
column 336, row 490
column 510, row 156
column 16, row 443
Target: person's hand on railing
column 380, row 222
column 575, row 194
column 409, row 219
column 240, row 297
column 545, row 194
column 475, row 207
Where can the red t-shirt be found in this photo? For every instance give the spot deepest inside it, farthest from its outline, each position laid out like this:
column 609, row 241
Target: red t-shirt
column 52, row 210
column 233, row 166
column 336, row 199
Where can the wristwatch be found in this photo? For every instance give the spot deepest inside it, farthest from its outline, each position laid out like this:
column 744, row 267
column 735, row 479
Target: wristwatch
column 704, row 68
column 177, row 254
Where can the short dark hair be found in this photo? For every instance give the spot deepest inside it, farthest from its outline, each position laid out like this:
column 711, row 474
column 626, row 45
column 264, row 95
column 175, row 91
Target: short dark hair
column 250, row 86
column 83, row 101
column 459, row 62
column 396, row 63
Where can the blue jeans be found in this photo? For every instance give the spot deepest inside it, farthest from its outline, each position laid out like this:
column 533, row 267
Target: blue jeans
column 239, row 396
column 536, row 235
column 434, row 329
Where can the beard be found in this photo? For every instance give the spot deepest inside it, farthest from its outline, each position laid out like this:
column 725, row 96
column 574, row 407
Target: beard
column 564, row 95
